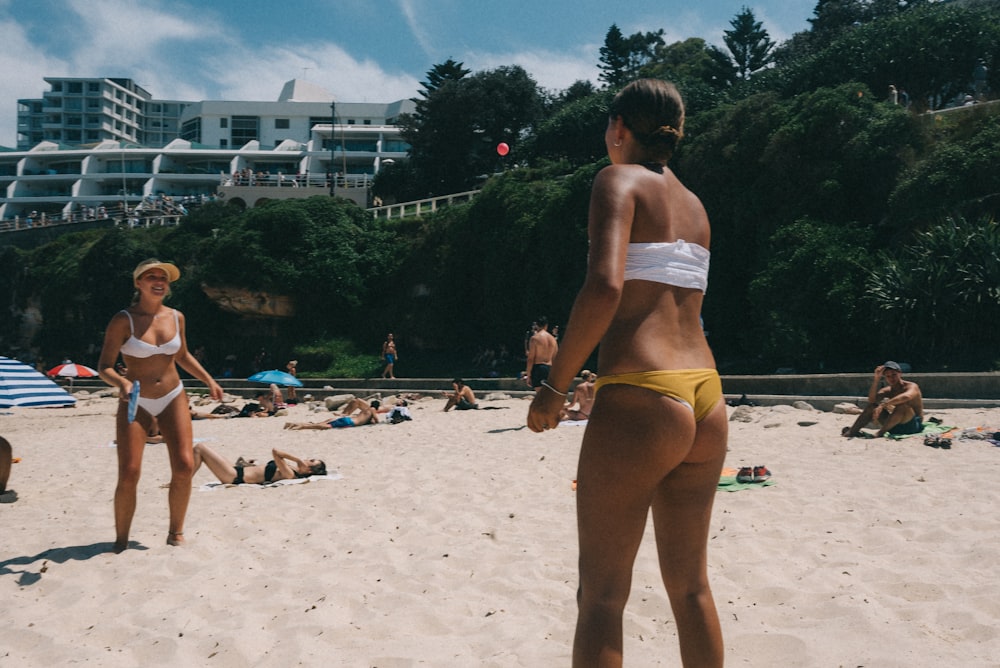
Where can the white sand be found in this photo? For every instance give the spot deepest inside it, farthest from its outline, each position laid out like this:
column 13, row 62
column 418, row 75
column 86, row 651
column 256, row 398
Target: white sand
column 450, row 541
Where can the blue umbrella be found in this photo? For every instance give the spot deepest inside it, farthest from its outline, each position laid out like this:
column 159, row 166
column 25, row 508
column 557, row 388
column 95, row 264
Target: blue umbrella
column 277, row 377
column 20, row 385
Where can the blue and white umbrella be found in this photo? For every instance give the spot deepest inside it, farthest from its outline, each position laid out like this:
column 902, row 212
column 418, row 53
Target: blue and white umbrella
column 20, row 385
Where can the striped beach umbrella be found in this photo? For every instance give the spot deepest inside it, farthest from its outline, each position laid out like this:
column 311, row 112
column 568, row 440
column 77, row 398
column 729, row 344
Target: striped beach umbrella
column 71, row 370
column 20, row 385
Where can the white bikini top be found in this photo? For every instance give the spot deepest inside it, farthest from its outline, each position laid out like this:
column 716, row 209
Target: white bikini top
column 134, row 347
column 673, row 263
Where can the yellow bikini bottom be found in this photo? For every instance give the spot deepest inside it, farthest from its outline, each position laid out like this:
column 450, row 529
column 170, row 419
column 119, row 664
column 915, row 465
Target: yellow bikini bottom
column 698, row 389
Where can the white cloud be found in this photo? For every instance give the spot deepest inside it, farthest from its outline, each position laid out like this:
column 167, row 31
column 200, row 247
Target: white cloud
column 264, row 71
column 551, row 71
column 24, row 65
column 412, row 15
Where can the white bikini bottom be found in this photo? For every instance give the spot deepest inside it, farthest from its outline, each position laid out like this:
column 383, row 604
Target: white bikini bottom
column 156, row 406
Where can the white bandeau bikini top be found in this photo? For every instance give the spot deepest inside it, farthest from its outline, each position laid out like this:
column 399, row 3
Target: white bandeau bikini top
column 135, row 347
column 673, row 263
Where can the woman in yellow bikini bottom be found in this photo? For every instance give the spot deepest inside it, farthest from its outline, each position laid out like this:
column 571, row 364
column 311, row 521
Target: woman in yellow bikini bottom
column 698, row 389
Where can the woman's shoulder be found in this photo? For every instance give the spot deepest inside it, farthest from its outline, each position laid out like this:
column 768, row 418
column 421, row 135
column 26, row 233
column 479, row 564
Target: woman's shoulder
column 120, row 317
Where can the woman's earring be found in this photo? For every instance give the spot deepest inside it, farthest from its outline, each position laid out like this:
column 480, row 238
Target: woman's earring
column 618, row 143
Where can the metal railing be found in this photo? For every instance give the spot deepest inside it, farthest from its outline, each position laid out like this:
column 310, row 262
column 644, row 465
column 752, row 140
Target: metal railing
column 421, row 206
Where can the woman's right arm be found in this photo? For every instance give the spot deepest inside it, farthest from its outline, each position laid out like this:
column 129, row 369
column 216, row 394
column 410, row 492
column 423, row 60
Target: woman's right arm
column 612, row 209
column 114, row 337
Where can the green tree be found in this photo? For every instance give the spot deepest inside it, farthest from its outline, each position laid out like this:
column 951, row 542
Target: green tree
column 325, row 253
column 453, row 140
column 831, row 18
column 930, row 51
column 810, row 294
column 574, row 133
column 623, row 58
column 958, row 176
column 940, row 295
column 749, row 44
column 438, row 75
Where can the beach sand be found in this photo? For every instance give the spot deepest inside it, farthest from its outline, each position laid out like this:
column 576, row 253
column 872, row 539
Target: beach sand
column 450, row 541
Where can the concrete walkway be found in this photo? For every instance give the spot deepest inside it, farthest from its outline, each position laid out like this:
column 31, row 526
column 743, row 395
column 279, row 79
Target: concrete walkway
column 822, row 391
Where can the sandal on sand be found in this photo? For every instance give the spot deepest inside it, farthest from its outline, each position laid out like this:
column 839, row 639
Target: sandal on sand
column 761, row 473
column 745, row 474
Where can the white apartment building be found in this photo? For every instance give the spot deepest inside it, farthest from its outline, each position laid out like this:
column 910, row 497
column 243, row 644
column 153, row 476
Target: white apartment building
column 107, row 145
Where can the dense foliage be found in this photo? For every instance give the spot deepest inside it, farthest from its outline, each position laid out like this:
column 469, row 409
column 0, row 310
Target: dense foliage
column 841, row 221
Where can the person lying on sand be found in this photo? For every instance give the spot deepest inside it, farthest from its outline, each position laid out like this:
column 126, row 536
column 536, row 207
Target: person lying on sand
column 250, row 472
column 365, row 416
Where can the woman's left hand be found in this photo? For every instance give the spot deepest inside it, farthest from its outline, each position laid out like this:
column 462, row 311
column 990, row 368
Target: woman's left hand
column 544, row 410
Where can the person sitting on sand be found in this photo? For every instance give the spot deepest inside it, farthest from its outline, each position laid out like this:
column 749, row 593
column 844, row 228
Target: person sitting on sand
column 462, row 398
column 6, row 460
column 364, row 416
column 261, row 408
column 252, row 473
column 898, row 407
column 277, row 400
column 583, row 398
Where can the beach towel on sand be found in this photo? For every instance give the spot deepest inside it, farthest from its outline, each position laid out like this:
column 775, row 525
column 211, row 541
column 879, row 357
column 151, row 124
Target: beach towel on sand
column 929, row 428
column 729, row 483
column 211, row 486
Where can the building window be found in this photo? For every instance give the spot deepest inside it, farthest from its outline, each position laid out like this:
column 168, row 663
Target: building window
column 93, row 86
column 281, row 124
column 244, row 129
column 223, row 122
column 191, row 130
column 368, row 121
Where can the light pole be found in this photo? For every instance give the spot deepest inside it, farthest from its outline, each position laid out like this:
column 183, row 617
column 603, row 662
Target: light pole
column 124, row 187
column 333, row 144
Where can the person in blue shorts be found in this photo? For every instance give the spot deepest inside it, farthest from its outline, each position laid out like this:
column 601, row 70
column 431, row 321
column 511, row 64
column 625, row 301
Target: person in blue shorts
column 365, row 416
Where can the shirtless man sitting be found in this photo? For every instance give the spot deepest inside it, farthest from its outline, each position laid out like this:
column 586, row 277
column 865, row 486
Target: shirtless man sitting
column 898, row 407
column 462, row 398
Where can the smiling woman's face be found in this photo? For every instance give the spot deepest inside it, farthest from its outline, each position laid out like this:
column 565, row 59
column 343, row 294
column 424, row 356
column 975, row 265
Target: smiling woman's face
column 154, row 281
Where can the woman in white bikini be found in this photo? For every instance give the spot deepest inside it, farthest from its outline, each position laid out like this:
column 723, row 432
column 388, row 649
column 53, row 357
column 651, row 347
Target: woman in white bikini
column 151, row 340
column 656, row 438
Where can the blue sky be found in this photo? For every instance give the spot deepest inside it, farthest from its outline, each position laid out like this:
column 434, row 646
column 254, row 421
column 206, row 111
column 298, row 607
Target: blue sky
column 360, row 50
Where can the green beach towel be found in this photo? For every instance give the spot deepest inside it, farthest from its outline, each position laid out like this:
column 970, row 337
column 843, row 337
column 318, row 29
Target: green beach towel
column 729, row 483
column 929, row 428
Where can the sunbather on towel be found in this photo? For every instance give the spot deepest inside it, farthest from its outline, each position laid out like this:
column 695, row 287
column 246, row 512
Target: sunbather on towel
column 365, row 416
column 243, row 472
column 898, row 407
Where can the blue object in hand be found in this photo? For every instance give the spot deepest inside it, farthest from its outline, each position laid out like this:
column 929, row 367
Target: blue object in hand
column 133, row 402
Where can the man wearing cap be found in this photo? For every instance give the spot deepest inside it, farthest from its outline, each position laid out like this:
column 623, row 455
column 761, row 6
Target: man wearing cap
column 898, row 407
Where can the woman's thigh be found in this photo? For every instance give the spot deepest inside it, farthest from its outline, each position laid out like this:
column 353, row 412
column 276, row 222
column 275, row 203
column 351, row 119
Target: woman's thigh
column 682, row 504
column 634, row 439
column 175, row 425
